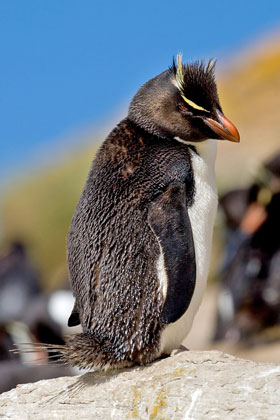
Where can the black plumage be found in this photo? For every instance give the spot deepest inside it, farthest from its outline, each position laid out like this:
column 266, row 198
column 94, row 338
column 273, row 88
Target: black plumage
column 112, row 249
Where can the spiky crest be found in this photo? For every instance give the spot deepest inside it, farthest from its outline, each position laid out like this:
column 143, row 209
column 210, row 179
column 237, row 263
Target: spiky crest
column 179, row 71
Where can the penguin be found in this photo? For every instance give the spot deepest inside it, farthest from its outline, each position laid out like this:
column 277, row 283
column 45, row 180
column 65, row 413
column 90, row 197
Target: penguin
column 138, row 248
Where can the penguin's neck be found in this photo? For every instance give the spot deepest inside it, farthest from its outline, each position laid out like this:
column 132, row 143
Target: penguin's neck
column 206, row 149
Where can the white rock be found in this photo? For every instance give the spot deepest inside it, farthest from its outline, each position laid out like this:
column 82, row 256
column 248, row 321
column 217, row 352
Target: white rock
column 191, row 385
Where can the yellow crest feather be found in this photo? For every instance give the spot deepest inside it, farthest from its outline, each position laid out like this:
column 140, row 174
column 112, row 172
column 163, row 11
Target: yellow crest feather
column 180, row 72
column 194, row 105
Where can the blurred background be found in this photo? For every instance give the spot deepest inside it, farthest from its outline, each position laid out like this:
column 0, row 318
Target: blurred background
column 68, row 71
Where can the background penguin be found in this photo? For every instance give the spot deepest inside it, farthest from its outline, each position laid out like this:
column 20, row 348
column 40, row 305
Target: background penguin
column 249, row 296
column 140, row 238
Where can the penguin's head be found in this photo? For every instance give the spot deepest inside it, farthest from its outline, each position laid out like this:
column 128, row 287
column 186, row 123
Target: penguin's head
column 182, row 102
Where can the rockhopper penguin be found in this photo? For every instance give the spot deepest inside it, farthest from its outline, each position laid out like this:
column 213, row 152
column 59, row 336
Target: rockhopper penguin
column 140, row 239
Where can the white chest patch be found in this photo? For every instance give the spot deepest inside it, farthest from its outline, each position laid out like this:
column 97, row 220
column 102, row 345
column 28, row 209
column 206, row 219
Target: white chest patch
column 202, row 215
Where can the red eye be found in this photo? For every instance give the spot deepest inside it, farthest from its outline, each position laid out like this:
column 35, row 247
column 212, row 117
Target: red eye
column 182, row 107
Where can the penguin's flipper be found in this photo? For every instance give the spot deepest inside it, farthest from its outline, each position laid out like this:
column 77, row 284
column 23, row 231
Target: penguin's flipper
column 74, row 318
column 169, row 220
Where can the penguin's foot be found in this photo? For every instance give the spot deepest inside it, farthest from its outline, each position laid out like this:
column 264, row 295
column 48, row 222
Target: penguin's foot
column 180, row 349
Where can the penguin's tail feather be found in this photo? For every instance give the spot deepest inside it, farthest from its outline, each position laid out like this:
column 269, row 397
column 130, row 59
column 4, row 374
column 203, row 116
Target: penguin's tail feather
column 81, row 350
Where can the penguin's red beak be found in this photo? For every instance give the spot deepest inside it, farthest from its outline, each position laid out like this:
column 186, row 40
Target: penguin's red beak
column 223, row 127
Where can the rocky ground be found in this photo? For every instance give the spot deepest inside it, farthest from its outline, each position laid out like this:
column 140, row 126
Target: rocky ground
column 190, row 385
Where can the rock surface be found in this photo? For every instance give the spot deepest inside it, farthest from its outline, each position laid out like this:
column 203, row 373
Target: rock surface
column 190, row 385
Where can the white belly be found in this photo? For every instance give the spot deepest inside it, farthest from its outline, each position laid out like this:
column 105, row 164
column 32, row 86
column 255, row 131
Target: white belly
column 202, row 215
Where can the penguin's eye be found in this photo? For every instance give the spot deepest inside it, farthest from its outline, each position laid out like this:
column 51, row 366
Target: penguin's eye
column 183, row 107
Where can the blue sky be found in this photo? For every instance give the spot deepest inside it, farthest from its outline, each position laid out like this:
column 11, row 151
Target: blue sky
column 66, row 64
